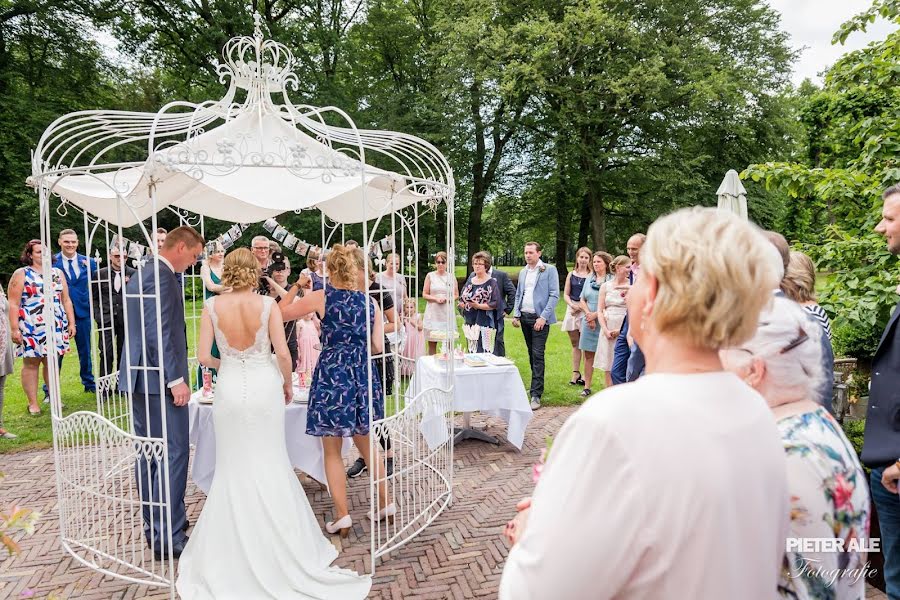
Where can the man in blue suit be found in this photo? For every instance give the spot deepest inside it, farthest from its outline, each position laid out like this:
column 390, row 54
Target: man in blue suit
column 154, row 372
column 535, row 310
column 881, row 444
column 78, row 269
column 628, row 361
column 504, row 307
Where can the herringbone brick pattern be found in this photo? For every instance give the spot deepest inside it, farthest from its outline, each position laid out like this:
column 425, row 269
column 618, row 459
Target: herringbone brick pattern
column 460, row 555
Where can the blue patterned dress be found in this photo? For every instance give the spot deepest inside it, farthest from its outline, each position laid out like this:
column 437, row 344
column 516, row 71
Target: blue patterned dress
column 339, row 392
column 31, row 316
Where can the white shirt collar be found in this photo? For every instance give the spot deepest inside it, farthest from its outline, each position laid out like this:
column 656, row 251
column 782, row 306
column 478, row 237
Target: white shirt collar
column 165, row 262
column 539, row 264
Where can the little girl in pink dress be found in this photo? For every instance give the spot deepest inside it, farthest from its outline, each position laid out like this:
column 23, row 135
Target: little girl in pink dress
column 308, row 347
column 414, row 344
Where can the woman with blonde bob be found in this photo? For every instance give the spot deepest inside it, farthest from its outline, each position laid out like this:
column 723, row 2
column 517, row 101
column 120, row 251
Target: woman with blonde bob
column 276, row 550
column 339, row 392
column 827, row 486
column 674, row 485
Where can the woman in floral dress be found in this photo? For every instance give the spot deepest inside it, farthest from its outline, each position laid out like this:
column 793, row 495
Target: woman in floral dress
column 480, row 296
column 27, row 297
column 827, row 486
column 339, row 392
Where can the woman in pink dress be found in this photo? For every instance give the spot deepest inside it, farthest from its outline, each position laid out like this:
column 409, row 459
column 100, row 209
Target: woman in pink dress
column 414, row 344
column 308, row 347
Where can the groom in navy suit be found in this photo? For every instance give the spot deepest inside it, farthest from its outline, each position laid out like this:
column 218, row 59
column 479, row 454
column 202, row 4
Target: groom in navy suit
column 78, row 268
column 154, row 372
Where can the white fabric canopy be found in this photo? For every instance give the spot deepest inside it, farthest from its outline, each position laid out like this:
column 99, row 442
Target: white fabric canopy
column 251, row 168
column 732, row 195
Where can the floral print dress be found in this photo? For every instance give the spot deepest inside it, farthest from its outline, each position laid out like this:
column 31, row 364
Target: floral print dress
column 339, row 392
column 31, row 316
column 829, row 499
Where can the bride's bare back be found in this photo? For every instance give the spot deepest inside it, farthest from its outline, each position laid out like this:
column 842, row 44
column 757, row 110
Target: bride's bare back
column 239, row 318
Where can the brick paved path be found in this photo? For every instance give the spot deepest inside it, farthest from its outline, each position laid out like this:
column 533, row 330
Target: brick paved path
column 460, row 555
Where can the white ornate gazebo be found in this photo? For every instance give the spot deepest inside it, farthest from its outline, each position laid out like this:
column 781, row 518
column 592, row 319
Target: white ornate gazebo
column 248, row 157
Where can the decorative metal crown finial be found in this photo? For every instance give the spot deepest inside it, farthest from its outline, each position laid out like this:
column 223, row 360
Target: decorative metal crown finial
column 257, row 64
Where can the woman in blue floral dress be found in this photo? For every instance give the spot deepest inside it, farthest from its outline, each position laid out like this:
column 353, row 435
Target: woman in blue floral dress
column 828, row 493
column 339, row 392
column 27, row 298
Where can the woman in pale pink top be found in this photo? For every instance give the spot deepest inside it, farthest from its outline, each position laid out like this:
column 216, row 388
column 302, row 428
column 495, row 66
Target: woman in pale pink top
column 672, row 486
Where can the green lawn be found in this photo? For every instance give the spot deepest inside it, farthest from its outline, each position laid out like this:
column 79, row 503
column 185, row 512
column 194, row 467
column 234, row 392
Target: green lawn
column 35, row 432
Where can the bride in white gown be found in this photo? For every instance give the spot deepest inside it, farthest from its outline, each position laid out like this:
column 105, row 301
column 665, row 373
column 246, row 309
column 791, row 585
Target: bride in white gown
column 257, row 536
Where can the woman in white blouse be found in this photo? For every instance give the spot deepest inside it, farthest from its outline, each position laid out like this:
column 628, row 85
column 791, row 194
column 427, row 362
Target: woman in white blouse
column 672, row 486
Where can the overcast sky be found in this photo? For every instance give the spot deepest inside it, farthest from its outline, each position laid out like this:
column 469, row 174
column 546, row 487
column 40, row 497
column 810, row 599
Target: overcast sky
column 811, row 23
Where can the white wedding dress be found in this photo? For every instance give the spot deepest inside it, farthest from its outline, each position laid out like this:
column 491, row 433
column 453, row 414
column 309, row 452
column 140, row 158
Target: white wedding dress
column 257, row 536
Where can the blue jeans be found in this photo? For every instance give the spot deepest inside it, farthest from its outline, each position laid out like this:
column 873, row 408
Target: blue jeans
column 619, row 370
column 888, row 507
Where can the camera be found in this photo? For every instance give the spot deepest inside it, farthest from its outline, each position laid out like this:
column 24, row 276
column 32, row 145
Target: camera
column 278, row 264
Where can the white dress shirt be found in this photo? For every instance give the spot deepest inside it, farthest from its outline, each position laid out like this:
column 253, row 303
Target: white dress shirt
column 531, row 277
column 74, row 263
column 673, row 486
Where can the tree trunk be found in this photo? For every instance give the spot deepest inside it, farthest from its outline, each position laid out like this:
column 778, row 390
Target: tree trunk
column 584, row 221
column 598, row 211
column 563, row 232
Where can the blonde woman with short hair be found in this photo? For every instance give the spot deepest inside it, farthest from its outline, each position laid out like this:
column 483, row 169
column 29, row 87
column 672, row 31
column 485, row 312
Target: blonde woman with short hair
column 339, row 392
column 277, row 549
column 674, row 485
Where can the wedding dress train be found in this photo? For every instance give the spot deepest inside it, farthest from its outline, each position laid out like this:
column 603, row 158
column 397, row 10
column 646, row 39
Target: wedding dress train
column 257, row 536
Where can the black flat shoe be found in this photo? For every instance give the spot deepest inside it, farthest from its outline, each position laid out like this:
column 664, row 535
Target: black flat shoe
column 586, row 392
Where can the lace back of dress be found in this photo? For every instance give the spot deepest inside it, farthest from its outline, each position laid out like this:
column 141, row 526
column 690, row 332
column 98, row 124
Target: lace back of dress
column 261, row 346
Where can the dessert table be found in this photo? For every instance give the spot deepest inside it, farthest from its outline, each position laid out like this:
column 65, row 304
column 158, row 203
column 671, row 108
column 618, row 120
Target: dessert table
column 305, row 451
column 495, row 389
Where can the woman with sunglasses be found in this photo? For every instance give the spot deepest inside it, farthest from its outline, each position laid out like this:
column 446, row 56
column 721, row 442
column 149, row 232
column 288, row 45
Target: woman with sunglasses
column 826, row 484
column 590, row 327
column 440, row 290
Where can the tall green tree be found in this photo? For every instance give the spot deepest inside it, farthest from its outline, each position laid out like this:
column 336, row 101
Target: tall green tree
column 853, row 140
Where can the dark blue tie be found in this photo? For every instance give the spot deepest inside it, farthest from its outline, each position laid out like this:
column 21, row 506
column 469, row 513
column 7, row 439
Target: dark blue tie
column 71, row 269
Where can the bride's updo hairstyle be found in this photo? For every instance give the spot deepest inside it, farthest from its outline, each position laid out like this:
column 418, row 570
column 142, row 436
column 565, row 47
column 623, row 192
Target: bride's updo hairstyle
column 340, row 264
column 240, row 270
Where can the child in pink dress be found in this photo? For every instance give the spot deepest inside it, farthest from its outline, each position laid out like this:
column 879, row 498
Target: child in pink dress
column 414, row 344
column 308, row 347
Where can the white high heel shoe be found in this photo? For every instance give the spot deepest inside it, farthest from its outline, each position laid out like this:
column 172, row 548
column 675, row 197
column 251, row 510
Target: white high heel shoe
column 387, row 513
column 343, row 525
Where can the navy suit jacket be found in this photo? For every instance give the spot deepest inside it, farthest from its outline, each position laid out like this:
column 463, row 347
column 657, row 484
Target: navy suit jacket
column 881, row 444
column 78, row 287
column 507, row 292
column 173, row 345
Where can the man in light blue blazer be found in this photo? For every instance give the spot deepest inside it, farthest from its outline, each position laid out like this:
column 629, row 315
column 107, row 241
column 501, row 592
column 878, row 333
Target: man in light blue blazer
column 536, row 296
column 154, row 372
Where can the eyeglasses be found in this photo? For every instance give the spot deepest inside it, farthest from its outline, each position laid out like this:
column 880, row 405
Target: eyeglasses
column 266, row 248
column 440, row 262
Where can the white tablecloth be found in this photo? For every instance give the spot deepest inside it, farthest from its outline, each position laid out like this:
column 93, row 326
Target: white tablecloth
column 305, row 451
column 491, row 390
